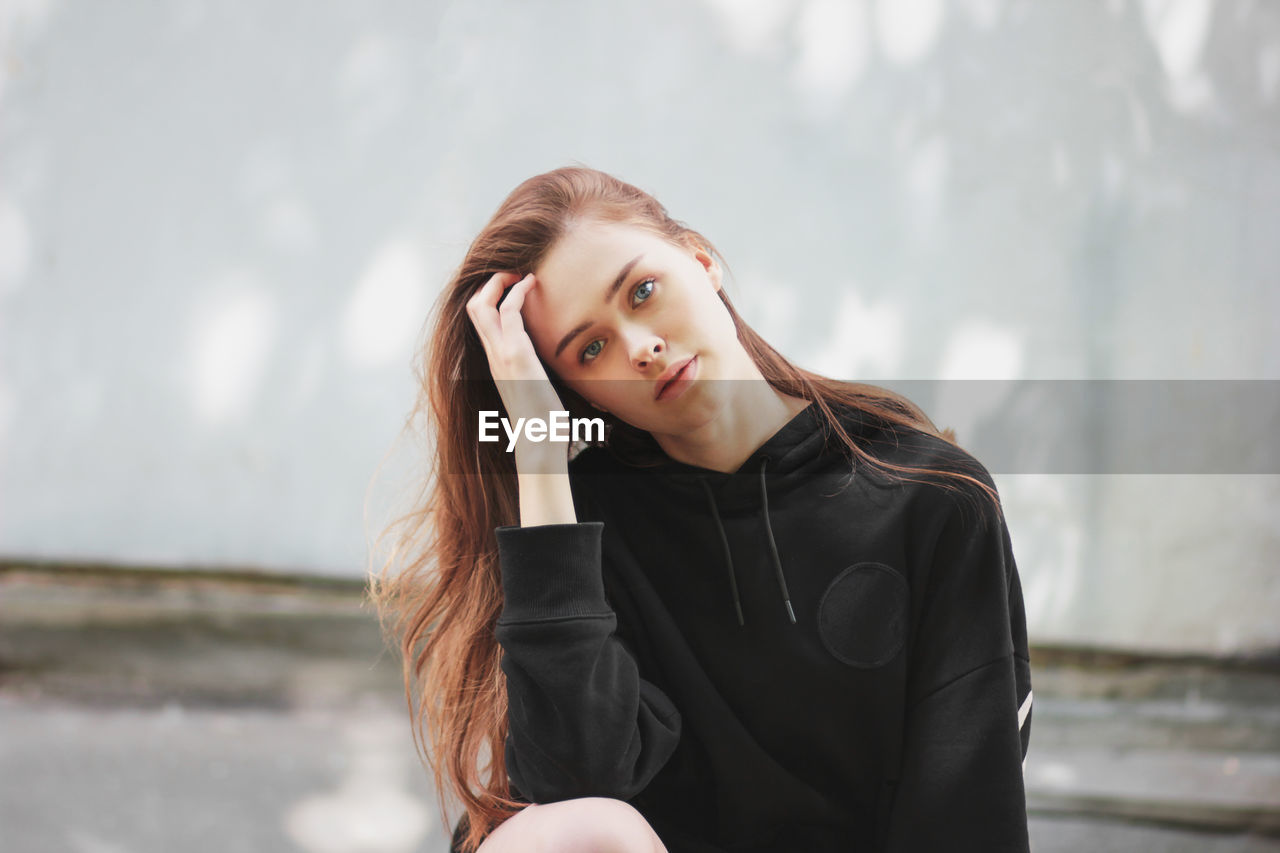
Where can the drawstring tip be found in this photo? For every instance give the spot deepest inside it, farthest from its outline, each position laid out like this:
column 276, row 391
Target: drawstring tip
column 790, row 612
column 741, row 621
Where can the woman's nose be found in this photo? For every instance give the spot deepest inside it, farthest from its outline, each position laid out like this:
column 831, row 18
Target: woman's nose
column 644, row 350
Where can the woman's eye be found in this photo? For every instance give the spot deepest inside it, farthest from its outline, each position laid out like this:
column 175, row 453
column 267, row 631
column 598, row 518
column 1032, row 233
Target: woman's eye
column 641, row 294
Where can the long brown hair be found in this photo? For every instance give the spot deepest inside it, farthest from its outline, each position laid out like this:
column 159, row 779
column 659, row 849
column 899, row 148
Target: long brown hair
column 439, row 592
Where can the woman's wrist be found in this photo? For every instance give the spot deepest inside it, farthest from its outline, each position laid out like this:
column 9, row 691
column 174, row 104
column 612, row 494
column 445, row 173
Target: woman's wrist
column 546, row 498
column 542, row 459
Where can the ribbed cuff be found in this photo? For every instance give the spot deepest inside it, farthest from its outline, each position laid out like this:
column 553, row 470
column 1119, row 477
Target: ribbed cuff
column 551, row 570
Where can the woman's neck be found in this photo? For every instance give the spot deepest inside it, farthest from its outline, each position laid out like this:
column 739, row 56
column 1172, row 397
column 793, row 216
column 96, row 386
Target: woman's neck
column 749, row 418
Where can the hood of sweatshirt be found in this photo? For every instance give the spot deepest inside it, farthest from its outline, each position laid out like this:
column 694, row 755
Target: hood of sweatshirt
column 780, row 464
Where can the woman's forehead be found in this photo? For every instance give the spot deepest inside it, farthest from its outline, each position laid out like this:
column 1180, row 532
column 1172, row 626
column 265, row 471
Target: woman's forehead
column 594, row 250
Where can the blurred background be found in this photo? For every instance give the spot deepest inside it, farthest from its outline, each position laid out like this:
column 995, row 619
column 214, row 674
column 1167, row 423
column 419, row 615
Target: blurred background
column 222, row 226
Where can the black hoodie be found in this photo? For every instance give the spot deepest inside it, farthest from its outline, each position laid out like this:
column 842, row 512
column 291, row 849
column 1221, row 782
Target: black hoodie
column 799, row 656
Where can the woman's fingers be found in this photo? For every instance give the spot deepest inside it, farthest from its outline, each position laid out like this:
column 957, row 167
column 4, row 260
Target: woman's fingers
column 501, row 326
column 509, row 310
column 489, row 294
column 482, row 308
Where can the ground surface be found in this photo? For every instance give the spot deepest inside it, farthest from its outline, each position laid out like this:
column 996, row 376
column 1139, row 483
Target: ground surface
column 170, row 714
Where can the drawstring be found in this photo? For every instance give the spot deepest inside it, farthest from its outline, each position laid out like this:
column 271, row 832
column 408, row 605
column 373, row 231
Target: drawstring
column 728, row 555
column 773, row 546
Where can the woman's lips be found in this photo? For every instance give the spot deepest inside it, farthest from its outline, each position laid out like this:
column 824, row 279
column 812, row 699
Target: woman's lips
column 679, row 383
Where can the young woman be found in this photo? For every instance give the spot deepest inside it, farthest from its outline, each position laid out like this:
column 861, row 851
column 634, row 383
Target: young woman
column 767, row 611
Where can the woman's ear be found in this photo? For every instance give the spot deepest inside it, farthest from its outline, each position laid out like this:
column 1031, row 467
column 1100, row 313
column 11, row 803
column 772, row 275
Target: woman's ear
column 709, row 264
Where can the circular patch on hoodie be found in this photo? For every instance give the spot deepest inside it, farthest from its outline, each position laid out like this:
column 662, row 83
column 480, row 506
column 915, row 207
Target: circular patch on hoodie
column 862, row 617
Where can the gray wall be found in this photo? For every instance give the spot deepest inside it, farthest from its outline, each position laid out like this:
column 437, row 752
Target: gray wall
column 222, row 224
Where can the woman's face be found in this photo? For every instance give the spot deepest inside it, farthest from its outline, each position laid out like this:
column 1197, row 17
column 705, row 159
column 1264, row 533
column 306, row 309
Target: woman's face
column 617, row 307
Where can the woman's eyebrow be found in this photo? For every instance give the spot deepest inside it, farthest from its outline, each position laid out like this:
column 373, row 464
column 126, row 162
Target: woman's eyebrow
column 608, row 297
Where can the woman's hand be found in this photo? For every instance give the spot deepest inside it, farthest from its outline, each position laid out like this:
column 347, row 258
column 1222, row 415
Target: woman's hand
column 521, row 379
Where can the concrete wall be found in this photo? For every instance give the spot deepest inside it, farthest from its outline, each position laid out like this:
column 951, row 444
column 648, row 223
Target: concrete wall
column 221, row 225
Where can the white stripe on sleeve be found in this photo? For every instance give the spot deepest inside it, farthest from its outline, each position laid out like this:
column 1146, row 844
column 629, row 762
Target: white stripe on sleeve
column 1024, row 710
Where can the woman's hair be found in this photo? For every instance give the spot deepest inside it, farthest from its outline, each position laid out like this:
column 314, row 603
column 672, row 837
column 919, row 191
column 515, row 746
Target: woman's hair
column 439, row 592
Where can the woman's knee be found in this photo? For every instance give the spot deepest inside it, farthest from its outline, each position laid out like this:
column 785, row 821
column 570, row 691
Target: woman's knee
column 586, row 825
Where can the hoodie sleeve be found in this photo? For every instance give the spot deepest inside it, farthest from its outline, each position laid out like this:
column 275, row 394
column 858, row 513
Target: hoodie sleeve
column 968, row 713
column 582, row 721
